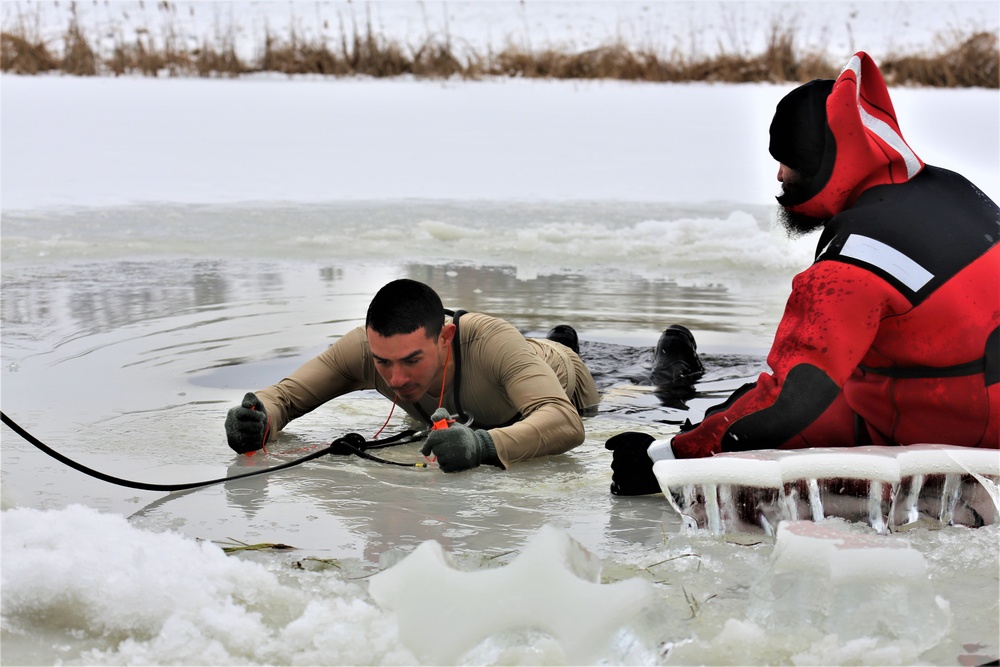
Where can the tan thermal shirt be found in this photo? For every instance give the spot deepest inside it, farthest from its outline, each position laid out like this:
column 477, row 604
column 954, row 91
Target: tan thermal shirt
column 529, row 393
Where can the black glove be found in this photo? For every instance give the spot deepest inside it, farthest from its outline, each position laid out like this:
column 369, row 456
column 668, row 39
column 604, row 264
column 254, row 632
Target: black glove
column 459, row 447
column 632, row 469
column 247, row 425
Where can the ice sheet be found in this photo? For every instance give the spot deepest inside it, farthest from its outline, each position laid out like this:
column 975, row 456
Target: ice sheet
column 884, row 487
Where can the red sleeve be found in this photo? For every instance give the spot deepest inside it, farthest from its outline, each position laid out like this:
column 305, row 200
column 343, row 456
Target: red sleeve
column 830, row 322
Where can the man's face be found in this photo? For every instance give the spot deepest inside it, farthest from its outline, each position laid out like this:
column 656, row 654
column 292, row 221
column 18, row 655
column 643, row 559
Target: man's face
column 412, row 364
column 795, row 224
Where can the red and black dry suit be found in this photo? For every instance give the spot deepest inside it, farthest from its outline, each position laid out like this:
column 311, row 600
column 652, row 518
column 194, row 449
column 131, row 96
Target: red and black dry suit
column 892, row 336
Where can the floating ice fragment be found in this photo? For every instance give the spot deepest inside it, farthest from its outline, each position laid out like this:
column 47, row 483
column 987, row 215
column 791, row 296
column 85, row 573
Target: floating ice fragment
column 836, row 578
column 831, row 551
column 443, row 612
column 445, row 231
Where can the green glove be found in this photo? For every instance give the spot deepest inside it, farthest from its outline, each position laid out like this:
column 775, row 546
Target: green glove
column 247, row 425
column 459, row 447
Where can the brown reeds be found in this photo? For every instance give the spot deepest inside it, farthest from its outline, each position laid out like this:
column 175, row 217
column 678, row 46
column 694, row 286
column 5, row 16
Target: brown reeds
column 18, row 55
column 972, row 62
column 961, row 61
column 80, row 58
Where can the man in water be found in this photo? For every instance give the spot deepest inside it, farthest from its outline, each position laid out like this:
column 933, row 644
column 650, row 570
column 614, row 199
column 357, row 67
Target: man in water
column 515, row 398
column 892, row 336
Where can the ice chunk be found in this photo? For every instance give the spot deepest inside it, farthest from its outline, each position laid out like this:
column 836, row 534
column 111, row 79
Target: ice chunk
column 443, row 613
column 839, row 579
column 733, row 494
column 884, row 487
column 949, row 485
column 876, row 463
column 856, row 483
column 926, row 459
column 747, row 468
column 827, row 549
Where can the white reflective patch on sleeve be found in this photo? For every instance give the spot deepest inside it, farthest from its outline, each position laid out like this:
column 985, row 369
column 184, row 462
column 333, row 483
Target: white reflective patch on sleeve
column 887, row 258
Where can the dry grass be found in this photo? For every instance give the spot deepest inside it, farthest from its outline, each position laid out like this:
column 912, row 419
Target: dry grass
column 962, row 61
column 21, row 56
column 972, row 62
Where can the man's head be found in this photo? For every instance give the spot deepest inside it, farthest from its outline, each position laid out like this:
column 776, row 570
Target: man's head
column 799, row 128
column 408, row 337
column 840, row 138
column 799, row 138
column 403, row 306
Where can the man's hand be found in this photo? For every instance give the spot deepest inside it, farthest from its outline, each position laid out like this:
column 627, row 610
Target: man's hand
column 247, row 425
column 459, row 447
column 632, row 469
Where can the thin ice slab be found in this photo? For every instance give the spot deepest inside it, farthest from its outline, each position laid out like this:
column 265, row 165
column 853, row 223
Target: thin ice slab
column 887, row 488
column 836, row 578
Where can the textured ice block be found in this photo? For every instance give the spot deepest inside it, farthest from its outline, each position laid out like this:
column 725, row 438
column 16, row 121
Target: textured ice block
column 849, row 463
column 949, row 485
column 885, row 487
column 732, row 494
column 940, row 459
column 553, row 586
column 837, row 579
column 745, row 469
column 805, row 546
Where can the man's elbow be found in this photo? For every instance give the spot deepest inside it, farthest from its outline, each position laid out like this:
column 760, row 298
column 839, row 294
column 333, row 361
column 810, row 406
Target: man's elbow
column 574, row 436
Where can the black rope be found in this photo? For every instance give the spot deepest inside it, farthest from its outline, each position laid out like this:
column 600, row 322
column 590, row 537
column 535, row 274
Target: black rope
column 348, row 444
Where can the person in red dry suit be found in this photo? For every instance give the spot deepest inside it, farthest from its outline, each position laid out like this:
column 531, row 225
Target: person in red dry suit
column 892, row 335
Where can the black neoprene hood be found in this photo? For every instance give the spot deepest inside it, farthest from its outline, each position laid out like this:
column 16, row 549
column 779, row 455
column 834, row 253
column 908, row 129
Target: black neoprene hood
column 798, row 129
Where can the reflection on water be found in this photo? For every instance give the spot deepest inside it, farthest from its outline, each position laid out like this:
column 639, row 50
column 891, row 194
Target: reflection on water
column 611, row 266
column 169, row 338
column 591, row 302
column 138, row 361
column 210, row 325
column 97, row 297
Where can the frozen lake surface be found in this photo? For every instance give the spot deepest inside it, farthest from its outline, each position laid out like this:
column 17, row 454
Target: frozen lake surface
column 128, row 365
column 123, row 347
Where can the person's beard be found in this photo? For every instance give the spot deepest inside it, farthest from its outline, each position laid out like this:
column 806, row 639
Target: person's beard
column 796, row 225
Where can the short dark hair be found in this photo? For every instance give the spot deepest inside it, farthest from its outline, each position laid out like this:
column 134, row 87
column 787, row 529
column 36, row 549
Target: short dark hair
column 403, row 306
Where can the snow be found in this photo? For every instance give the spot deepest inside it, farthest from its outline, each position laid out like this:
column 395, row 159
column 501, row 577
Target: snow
column 70, row 142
